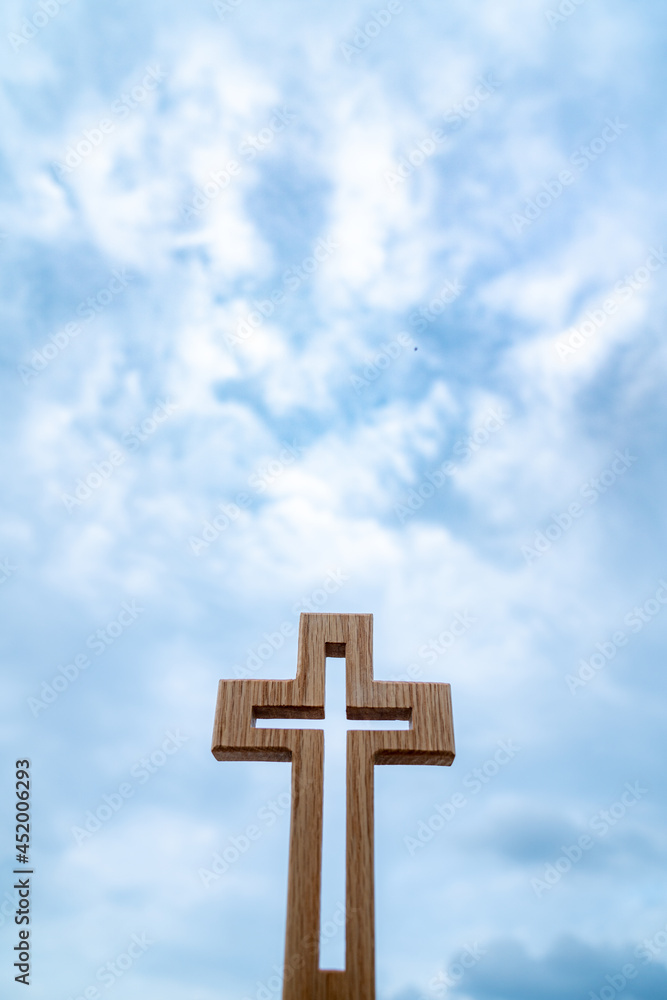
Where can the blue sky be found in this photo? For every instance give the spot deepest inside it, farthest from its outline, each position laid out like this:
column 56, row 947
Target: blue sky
column 294, row 297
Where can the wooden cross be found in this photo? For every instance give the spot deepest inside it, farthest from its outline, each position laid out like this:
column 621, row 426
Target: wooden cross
column 430, row 740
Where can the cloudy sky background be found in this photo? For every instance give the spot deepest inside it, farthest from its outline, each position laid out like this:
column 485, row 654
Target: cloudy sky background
column 329, row 415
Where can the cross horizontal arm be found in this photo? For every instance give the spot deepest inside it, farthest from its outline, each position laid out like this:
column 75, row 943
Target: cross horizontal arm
column 430, row 740
column 235, row 736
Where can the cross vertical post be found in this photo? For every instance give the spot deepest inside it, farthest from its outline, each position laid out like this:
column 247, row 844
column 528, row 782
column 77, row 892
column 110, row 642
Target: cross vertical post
column 430, row 740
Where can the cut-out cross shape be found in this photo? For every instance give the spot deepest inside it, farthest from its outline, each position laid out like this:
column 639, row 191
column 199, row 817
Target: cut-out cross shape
column 430, row 740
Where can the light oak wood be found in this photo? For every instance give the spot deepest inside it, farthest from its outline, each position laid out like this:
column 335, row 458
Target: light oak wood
column 430, row 740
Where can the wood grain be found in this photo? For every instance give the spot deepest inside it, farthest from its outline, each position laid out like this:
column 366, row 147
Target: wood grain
column 430, row 740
